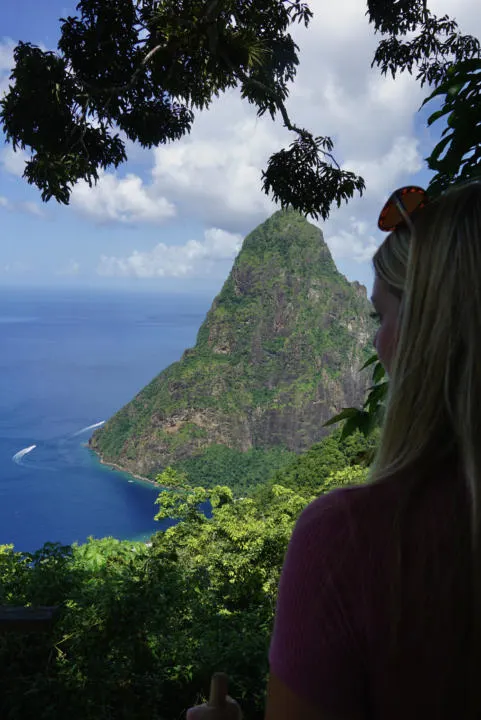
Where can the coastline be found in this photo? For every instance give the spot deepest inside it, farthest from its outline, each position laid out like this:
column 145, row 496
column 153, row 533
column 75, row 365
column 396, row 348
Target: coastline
column 119, row 468
column 114, row 466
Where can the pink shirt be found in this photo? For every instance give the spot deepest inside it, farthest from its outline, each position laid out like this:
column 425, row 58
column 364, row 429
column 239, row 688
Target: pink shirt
column 343, row 584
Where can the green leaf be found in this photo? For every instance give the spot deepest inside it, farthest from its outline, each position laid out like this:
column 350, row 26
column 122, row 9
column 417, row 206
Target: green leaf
column 438, row 114
column 450, row 87
column 465, row 67
column 455, row 89
column 433, row 159
column 358, row 422
column 379, row 373
column 345, row 414
column 453, row 119
column 374, row 358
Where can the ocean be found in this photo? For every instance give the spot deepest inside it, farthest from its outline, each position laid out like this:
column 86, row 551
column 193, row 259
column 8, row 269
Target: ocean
column 69, row 359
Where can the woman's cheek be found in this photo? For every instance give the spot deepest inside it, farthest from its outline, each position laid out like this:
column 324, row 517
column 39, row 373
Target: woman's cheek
column 384, row 343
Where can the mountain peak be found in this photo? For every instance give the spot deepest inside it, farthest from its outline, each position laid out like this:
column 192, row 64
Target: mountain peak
column 293, row 237
column 278, row 353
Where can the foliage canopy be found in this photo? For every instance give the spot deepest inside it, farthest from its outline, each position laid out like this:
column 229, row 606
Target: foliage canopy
column 142, row 627
column 141, row 70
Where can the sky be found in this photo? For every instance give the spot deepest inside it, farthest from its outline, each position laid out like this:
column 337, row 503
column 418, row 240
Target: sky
column 173, row 218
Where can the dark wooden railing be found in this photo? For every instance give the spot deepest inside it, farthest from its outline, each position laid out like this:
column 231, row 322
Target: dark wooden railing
column 41, row 618
column 26, row 619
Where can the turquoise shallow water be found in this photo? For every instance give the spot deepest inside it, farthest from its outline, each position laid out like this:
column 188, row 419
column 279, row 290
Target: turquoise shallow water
column 69, row 360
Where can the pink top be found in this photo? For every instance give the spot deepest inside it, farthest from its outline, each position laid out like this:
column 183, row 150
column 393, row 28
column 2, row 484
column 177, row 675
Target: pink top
column 358, row 559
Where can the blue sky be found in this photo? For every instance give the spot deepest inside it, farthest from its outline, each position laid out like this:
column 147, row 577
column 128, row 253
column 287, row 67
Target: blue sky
column 174, row 218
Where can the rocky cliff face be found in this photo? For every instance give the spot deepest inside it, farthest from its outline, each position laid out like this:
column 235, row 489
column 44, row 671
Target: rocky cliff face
column 277, row 355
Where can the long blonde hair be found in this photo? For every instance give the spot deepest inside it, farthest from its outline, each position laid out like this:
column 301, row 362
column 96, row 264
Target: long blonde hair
column 434, row 399
column 435, row 384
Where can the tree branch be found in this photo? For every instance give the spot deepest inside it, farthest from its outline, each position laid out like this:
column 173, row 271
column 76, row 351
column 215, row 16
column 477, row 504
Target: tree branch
column 425, row 11
column 117, row 89
column 278, row 102
column 131, row 82
column 280, row 106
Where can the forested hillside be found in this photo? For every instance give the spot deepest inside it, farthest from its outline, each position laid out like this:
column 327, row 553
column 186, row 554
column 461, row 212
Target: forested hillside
column 278, row 354
column 141, row 628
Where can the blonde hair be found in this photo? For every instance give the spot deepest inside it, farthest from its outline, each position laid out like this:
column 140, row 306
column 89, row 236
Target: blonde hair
column 434, row 399
column 435, row 383
column 391, row 260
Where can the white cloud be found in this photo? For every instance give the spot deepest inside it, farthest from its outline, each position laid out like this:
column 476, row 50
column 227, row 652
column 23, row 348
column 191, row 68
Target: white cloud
column 213, row 176
column 354, row 242
column 29, row 207
column 6, row 62
column 71, row 268
column 193, row 259
column 466, row 13
column 13, row 161
column 215, row 173
column 401, row 160
column 126, row 200
column 16, row 268
column 32, row 208
column 6, row 53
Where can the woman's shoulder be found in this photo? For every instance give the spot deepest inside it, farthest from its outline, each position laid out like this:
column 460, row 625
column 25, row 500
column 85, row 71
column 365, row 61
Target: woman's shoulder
column 349, row 509
column 365, row 516
column 319, row 628
column 347, row 531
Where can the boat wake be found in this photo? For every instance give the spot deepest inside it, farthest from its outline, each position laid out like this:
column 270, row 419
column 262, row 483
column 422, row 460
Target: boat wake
column 17, row 458
column 56, row 453
column 89, row 427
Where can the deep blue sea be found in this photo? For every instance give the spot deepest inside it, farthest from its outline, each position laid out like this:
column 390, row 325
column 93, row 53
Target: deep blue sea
column 68, row 360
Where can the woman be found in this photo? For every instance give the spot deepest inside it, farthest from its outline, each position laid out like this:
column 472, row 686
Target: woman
column 379, row 608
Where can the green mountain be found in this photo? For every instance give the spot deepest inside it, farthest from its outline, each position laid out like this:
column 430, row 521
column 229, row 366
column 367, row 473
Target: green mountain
column 277, row 355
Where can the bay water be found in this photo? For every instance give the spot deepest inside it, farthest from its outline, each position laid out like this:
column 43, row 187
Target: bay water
column 68, row 360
